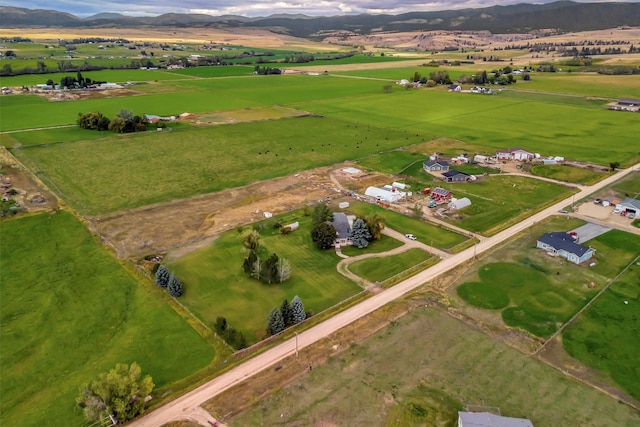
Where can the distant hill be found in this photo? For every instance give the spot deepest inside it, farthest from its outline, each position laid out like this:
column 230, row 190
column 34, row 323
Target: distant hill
column 561, row 15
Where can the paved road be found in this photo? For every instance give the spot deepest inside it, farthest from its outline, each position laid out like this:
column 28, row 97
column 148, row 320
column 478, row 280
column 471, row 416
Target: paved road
column 183, row 407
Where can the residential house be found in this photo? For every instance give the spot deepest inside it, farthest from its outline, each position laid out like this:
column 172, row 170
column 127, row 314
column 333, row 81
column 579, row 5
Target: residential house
column 456, row 176
column 563, row 244
column 487, row 419
column 343, row 224
column 454, row 88
column 436, row 166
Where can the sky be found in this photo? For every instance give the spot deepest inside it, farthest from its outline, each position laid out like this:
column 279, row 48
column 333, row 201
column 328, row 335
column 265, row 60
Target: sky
column 253, row 8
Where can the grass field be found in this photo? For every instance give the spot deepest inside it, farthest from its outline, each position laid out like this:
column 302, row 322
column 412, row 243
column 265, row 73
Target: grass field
column 385, row 243
column 380, row 269
column 433, row 359
column 125, row 171
column 605, row 336
column 497, row 199
column 568, row 174
column 70, row 312
column 539, row 293
column 427, row 233
column 537, row 126
column 217, row 286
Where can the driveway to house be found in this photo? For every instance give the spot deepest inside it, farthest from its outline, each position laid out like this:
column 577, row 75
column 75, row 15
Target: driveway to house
column 343, row 265
column 184, row 406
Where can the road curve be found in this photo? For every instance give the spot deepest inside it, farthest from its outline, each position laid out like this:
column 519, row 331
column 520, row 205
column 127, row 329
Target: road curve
column 184, row 405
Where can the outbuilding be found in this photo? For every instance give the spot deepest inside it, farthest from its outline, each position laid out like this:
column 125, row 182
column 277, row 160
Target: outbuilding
column 385, row 195
column 487, row 419
column 459, row 203
column 629, row 206
column 455, row 176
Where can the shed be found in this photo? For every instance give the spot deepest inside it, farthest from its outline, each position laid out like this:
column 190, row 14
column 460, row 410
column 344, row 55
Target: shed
column 480, row 158
column 487, row 419
column 185, row 116
column 343, row 205
column 400, row 185
column 455, row 176
column 459, row 203
column 293, row 226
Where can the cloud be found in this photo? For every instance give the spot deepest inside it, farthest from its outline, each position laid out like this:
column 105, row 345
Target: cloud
column 253, row 8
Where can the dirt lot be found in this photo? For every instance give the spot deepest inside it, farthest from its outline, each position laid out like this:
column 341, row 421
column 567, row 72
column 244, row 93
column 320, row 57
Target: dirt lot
column 183, row 225
column 32, row 194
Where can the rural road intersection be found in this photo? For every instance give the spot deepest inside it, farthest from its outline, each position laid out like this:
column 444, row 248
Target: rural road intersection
column 184, row 407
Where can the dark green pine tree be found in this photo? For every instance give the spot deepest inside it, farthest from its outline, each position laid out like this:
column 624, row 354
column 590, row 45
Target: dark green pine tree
column 297, row 310
column 249, row 263
column 174, row 287
column 287, row 314
column 162, row 276
column 360, row 235
column 275, row 323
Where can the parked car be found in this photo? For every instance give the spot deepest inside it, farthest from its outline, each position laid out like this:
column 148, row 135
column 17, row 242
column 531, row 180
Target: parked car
column 630, row 215
column 597, row 201
column 410, row 237
column 563, row 211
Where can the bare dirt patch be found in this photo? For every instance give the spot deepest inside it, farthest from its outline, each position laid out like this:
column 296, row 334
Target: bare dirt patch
column 184, row 225
column 32, row 195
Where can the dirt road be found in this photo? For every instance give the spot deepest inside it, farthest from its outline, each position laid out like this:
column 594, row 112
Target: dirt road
column 180, row 407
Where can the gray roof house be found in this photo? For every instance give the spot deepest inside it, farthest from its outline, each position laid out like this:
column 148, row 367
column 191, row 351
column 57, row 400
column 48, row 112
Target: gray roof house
column 456, row 176
column 487, row 419
column 436, row 166
column 563, row 244
column 629, row 205
column 342, row 223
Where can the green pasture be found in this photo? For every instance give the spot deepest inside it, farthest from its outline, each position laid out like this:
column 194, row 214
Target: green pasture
column 392, row 162
column 321, row 59
column 605, row 336
column 70, row 312
column 396, row 74
column 537, row 126
column 378, row 269
column 614, row 250
column 499, row 198
column 522, row 93
column 125, row 171
column 629, row 186
column 385, row 243
column 568, row 173
column 417, row 371
column 217, row 286
column 193, row 95
column 214, row 71
column 427, row 233
column 584, row 84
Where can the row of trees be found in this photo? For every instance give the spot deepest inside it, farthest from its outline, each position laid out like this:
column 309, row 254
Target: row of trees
column 232, row 336
column 271, row 270
column 124, row 122
column 168, row 280
column 287, row 315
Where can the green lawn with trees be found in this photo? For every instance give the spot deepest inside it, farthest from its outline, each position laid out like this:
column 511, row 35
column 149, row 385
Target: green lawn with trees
column 216, row 284
column 71, row 311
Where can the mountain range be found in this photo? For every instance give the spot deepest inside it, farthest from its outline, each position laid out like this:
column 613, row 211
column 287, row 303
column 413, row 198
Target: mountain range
column 518, row 18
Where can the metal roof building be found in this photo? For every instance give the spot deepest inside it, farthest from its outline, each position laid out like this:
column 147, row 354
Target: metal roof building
column 487, row 419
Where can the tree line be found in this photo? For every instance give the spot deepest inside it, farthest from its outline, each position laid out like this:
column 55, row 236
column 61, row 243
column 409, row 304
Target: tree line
column 124, row 122
column 287, row 315
column 169, row 281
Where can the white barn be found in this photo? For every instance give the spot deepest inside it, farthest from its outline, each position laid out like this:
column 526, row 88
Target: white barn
column 385, row 195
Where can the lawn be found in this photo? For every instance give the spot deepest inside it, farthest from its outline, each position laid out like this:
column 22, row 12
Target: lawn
column 535, row 302
column 498, row 201
column 533, row 291
column 126, row 171
column 385, row 243
column 380, row 269
column 605, row 336
column 419, row 371
column 430, row 234
column 70, row 312
column 215, row 291
column 568, row 173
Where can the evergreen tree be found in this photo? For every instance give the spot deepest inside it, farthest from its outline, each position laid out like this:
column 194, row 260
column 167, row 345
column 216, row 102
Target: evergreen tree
column 249, row 263
column 287, row 314
column 174, row 287
column 360, row 235
column 297, row 310
column 275, row 323
column 162, row 276
column 269, row 271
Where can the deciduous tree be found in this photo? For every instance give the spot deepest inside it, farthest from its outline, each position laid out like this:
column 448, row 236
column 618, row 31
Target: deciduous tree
column 321, row 213
column 284, row 270
column 324, row 235
column 120, row 393
column 251, row 240
column 376, row 224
